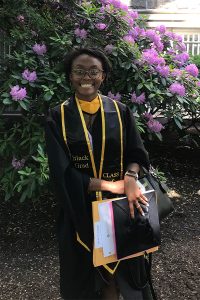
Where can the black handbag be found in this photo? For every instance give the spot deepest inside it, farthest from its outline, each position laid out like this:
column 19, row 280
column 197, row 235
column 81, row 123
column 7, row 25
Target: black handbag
column 151, row 180
column 138, row 234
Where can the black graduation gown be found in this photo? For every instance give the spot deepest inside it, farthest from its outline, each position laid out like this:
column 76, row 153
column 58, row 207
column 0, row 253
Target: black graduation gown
column 77, row 275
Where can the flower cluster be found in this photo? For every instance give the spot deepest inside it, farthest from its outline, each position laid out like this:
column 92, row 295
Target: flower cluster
column 101, row 26
column 109, row 48
column 177, row 88
column 18, row 93
column 163, row 70
column 192, row 70
column 18, row 164
column 40, row 49
column 139, row 100
column 30, row 76
column 81, row 33
column 116, row 97
column 154, row 125
column 151, row 57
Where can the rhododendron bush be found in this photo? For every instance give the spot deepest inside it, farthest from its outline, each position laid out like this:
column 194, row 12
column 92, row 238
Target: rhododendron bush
column 152, row 73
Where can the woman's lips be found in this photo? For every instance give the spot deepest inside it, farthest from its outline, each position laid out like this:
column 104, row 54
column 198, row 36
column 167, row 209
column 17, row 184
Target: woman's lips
column 86, row 85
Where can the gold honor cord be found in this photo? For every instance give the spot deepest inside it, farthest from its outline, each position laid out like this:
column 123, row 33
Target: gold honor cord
column 98, row 194
column 65, row 139
column 121, row 139
column 63, row 122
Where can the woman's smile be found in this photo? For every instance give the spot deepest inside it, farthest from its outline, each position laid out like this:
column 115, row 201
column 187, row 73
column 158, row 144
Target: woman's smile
column 87, row 76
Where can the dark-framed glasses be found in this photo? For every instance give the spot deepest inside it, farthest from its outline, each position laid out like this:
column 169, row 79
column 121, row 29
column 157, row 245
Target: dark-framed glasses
column 93, row 73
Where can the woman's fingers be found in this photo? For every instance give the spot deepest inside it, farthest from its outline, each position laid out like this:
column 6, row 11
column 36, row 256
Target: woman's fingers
column 139, row 208
column 143, row 200
column 131, row 207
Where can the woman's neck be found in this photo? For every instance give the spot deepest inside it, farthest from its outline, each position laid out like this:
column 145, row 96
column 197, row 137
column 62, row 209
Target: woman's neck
column 85, row 98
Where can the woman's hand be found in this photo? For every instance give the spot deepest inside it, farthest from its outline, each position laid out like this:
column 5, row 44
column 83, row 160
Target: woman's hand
column 116, row 187
column 134, row 195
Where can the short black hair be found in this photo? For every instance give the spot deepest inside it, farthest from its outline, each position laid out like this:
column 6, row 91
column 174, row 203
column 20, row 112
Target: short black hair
column 97, row 53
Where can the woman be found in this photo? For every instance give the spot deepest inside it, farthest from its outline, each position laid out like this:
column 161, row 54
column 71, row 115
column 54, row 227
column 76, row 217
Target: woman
column 93, row 147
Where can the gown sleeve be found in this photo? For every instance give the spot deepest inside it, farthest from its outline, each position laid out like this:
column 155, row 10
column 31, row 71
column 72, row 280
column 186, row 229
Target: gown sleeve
column 135, row 151
column 71, row 186
column 71, row 189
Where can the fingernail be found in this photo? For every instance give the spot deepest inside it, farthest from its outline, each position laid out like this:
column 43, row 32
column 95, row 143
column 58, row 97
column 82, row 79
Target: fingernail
column 147, row 204
column 143, row 214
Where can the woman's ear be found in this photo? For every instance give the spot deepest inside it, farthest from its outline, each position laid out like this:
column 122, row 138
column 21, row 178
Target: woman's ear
column 103, row 77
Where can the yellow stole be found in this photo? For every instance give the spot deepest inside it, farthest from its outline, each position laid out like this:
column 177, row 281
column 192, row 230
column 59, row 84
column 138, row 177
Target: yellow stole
column 90, row 107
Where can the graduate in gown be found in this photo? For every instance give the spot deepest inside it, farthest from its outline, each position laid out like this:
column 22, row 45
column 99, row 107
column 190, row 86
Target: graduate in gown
column 92, row 141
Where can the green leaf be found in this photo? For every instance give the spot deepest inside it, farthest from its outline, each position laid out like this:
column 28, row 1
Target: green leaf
column 5, row 95
column 169, row 94
column 23, row 105
column 180, row 99
column 23, row 196
column 16, row 76
column 158, row 135
column 7, row 196
column 151, row 96
column 140, row 86
column 7, row 101
column 163, row 80
column 24, row 81
column 48, row 96
column 177, row 122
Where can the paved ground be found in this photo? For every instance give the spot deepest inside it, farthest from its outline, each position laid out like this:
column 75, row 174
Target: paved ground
column 28, row 251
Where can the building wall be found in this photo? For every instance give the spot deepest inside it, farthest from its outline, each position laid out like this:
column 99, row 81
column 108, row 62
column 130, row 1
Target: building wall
column 180, row 16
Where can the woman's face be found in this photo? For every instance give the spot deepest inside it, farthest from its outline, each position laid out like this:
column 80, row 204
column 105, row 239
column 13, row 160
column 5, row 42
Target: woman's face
column 86, row 76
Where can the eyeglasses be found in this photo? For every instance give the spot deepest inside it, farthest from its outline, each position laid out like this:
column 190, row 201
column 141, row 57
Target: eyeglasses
column 93, row 73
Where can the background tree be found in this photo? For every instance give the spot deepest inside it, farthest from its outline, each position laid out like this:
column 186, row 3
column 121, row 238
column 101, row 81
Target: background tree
column 152, row 73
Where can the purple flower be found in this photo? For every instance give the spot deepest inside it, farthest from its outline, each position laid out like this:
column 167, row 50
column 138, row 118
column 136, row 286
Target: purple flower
column 161, row 28
column 18, row 164
column 18, row 93
column 171, row 51
column 116, row 97
column 163, row 70
column 128, row 20
column 109, row 48
column 169, row 34
column 159, row 46
column 136, row 32
column 129, row 39
column 182, row 57
column 178, row 37
column 151, row 34
column 133, row 14
column 176, row 73
column 20, row 18
column 139, row 100
column 40, row 49
column 198, row 83
column 116, row 3
column 81, row 33
column 124, row 7
column 177, row 88
column 100, row 26
column 154, row 125
column 152, row 58
column 192, row 70
column 148, row 116
column 181, row 47
column 30, row 76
